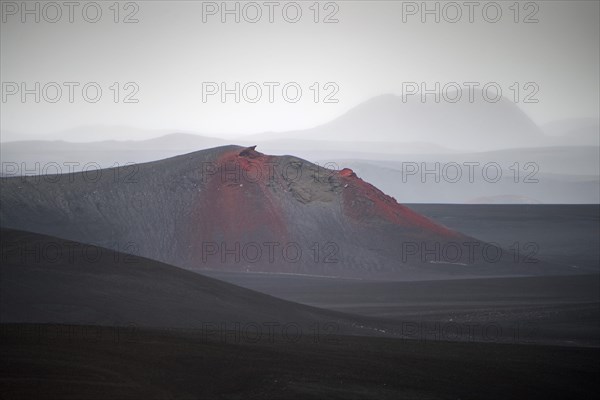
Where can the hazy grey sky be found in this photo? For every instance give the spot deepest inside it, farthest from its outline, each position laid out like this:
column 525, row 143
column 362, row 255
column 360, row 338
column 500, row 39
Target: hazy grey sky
column 370, row 51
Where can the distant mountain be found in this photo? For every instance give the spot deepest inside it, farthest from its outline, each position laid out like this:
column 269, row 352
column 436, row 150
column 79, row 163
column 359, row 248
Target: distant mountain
column 551, row 175
column 233, row 208
column 85, row 134
column 462, row 125
column 94, row 155
column 384, row 124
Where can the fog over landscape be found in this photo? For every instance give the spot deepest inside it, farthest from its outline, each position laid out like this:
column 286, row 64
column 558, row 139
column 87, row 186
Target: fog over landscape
column 390, row 142
column 358, row 96
column 299, row 199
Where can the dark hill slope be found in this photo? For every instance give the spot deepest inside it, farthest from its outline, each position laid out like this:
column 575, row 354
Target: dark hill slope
column 233, row 208
column 50, row 280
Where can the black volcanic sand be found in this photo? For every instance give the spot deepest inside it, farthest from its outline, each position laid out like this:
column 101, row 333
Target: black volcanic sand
column 133, row 361
column 51, row 280
column 153, row 364
column 565, row 234
column 564, row 309
column 560, row 310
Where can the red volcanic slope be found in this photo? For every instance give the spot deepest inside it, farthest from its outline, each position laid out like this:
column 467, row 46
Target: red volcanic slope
column 193, row 217
column 246, row 206
column 362, row 199
column 341, row 225
column 240, row 202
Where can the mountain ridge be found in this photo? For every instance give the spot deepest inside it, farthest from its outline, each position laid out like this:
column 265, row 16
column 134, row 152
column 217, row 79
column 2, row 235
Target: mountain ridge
column 232, row 208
